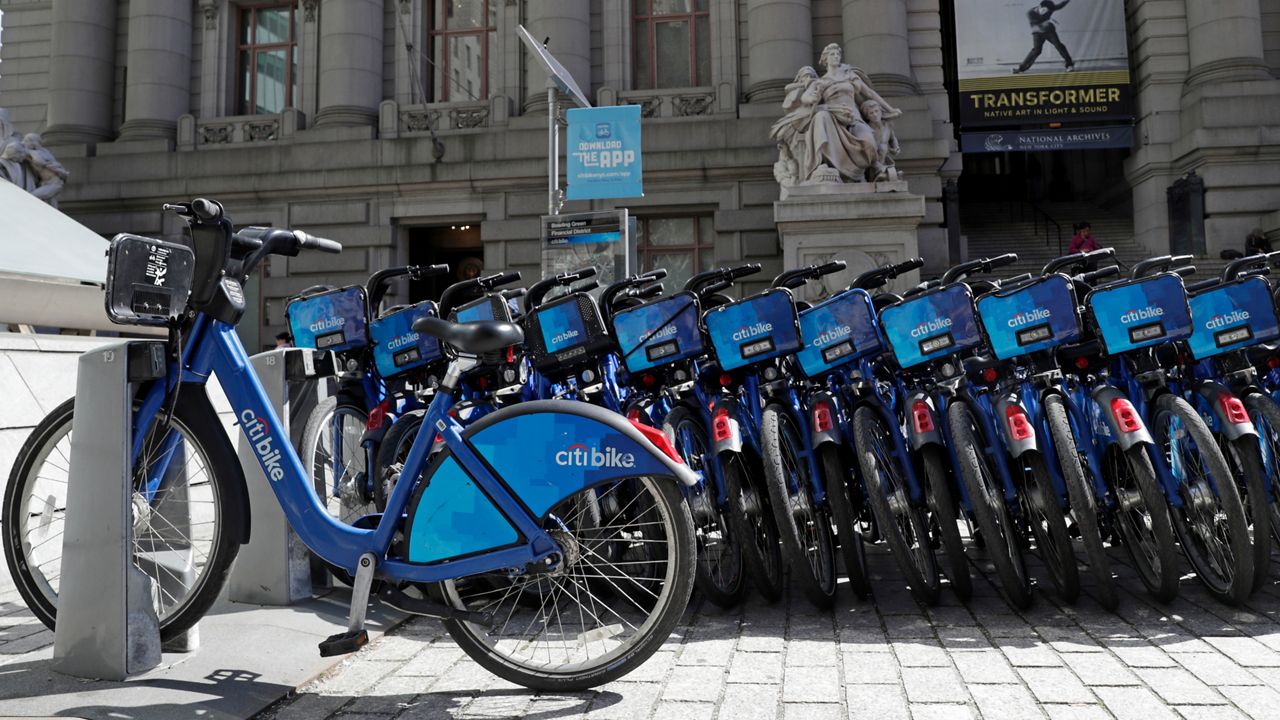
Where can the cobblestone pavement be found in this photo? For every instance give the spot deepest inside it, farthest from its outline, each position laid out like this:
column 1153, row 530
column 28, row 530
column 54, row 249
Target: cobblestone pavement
column 1194, row 659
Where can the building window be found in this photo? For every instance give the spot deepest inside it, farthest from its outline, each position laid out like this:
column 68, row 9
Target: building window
column 672, row 43
column 682, row 245
column 464, row 29
column 268, row 42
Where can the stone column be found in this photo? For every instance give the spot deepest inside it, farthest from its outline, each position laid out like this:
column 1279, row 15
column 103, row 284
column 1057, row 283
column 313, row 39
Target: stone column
column 875, row 39
column 82, row 62
column 350, row 62
column 779, row 42
column 1224, row 39
column 158, row 88
column 568, row 24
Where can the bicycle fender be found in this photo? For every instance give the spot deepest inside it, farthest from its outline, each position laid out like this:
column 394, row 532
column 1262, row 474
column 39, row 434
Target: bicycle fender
column 1103, row 396
column 923, row 430
column 1019, row 435
column 727, row 435
column 834, row 434
column 196, row 395
column 1212, row 393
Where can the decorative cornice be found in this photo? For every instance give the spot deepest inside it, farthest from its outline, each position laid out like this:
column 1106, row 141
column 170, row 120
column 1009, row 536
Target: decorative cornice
column 309, row 10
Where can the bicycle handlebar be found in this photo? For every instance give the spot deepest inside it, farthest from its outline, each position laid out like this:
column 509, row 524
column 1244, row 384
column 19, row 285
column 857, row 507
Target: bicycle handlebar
column 798, row 277
column 1079, row 258
column 877, row 277
column 699, row 282
column 538, row 291
column 983, row 265
column 1142, row 268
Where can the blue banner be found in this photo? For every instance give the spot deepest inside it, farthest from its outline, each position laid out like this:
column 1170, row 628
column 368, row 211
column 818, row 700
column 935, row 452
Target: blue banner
column 604, row 153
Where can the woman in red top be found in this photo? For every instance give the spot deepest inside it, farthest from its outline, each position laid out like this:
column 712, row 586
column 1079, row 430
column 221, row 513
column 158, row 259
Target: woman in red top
column 1083, row 240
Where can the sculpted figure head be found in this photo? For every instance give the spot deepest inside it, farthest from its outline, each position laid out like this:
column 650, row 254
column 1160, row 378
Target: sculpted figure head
column 33, row 141
column 14, row 151
column 806, row 74
column 872, row 111
column 831, row 56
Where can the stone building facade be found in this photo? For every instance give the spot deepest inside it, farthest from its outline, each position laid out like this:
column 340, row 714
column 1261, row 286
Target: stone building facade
column 320, row 113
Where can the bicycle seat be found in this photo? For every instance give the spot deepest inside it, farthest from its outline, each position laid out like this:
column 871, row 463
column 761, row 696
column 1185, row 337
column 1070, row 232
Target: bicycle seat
column 474, row 338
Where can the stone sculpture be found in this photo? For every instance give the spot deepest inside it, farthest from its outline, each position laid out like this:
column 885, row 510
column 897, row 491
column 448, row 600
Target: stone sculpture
column 836, row 128
column 25, row 162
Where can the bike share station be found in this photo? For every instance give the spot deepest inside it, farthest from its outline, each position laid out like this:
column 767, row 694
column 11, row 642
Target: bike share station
column 254, row 646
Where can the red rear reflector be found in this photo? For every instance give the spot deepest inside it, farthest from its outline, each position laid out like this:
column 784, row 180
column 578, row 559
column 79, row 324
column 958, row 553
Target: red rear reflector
column 921, row 417
column 648, row 380
column 1019, row 428
column 1233, row 409
column 655, row 436
column 726, row 379
column 721, row 426
column 634, row 415
column 378, row 415
column 511, row 353
column 989, row 375
column 1273, row 362
column 1126, row 417
column 822, row 421
column 1082, row 362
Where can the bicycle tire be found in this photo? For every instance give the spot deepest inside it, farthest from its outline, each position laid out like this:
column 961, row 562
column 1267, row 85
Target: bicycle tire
column 678, row 561
column 391, row 455
column 1048, row 522
column 1229, row 575
column 1244, row 454
column 1003, row 541
column 804, row 528
column 199, row 424
column 852, row 544
column 1144, row 520
column 894, row 513
column 943, row 506
column 342, row 504
column 1266, row 418
column 720, row 575
column 752, row 522
column 1076, row 474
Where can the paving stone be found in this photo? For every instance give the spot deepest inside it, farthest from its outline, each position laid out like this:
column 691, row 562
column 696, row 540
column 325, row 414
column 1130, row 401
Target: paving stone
column 811, row 684
column 942, row 711
column 684, row 711
column 876, row 702
column 920, row 653
column 908, row 626
column 963, row 638
column 933, row 684
column 506, row 704
column 1179, row 687
column 1139, row 653
column 1134, row 703
column 1246, row 651
column 655, row 669
column 1211, row 712
column 694, row 684
column 1005, row 702
column 1077, row 712
column 749, row 702
column 812, row 652
column 431, row 661
column 354, row 677
column 871, row 668
column 1258, row 701
column 625, row 701
column 311, row 705
column 1030, row 654
column 1056, row 685
column 756, row 668
column 1096, row 669
column 871, row 639
column 988, row 667
column 812, row 711
column 1068, row 639
column 707, row 652
column 1216, row 669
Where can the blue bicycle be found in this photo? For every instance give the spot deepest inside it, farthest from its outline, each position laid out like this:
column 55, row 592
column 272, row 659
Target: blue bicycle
column 495, row 521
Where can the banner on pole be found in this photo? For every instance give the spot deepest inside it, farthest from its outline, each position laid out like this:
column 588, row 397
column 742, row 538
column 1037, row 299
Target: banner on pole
column 574, row 241
column 1039, row 61
column 604, row 153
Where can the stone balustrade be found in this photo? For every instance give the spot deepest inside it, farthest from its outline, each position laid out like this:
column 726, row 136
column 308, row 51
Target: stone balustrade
column 202, row 133
column 673, row 103
column 396, row 120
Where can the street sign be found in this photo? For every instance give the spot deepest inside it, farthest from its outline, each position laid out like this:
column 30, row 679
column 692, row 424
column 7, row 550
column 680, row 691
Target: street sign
column 574, row 241
column 604, row 153
column 559, row 75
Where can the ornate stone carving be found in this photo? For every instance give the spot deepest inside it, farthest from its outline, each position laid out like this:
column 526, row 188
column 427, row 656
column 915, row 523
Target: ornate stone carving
column 25, row 162
column 690, row 105
column 309, row 10
column 419, row 120
column 215, row 134
column 836, row 127
column 468, row 117
column 261, row 130
column 209, row 8
column 650, row 106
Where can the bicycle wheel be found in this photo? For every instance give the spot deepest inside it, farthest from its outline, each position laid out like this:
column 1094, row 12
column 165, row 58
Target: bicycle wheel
column 1078, row 477
column 1211, row 526
column 720, row 572
column 804, row 527
column 1244, row 456
column 1143, row 519
column 751, row 521
column 186, row 529
column 1266, row 418
column 391, row 455
column 943, row 506
column 335, row 460
column 986, row 497
column 835, row 475
column 1044, row 514
column 903, row 525
column 572, row 638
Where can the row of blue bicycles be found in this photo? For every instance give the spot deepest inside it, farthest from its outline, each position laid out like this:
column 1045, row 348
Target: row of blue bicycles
column 552, row 470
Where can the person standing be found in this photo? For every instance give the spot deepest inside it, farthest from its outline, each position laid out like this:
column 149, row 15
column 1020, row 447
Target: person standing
column 1083, row 240
column 1044, row 29
column 284, row 340
column 1257, row 243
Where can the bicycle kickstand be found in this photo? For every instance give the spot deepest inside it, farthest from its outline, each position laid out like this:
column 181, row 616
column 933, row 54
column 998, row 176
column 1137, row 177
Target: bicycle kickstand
column 356, row 636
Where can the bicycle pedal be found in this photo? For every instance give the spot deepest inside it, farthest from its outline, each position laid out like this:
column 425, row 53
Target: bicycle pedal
column 344, row 643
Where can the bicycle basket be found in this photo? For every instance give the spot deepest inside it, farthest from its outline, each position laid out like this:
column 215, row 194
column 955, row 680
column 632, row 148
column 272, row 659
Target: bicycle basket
column 1031, row 317
column 837, row 331
column 148, row 280
column 931, row 325
column 1140, row 313
column 336, row 320
column 397, row 348
column 1232, row 316
column 564, row 333
column 659, row 333
column 753, row 330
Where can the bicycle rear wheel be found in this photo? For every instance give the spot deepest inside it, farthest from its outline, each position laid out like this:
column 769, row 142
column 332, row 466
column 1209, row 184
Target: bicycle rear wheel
column 335, row 460
column 752, row 522
column 835, row 475
column 1143, row 519
column 1048, row 525
column 571, row 638
column 1244, row 456
column 943, row 506
column 1211, row 525
column 986, row 497
column 186, row 529
column 1266, row 418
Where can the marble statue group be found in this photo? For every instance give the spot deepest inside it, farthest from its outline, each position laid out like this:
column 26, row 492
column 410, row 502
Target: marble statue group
column 25, row 162
column 836, row 127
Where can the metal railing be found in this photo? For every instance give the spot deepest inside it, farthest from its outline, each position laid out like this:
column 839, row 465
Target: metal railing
column 1040, row 219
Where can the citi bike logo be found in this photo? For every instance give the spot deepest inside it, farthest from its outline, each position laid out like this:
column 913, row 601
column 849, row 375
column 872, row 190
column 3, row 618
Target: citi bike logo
column 930, row 326
column 579, row 455
column 665, row 332
column 832, row 335
column 1026, row 318
column 256, row 428
column 402, row 341
column 332, row 323
column 1146, row 313
column 1221, row 321
column 746, row 332
column 565, row 336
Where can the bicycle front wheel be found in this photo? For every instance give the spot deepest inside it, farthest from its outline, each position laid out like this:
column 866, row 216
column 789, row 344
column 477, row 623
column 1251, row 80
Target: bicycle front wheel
column 835, row 474
column 1266, row 418
column 186, row 524
column 1048, row 523
column 752, row 521
column 942, row 505
column 619, row 593
column 335, row 460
